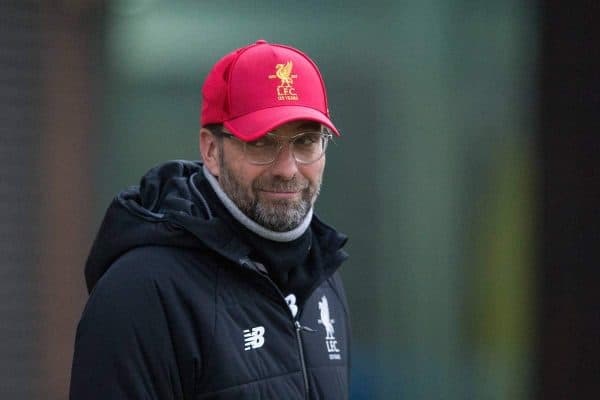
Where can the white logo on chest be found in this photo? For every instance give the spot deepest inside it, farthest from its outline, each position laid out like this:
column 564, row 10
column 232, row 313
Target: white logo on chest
column 291, row 302
column 255, row 338
column 327, row 322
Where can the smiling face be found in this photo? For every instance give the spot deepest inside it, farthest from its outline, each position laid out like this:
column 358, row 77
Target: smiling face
column 277, row 196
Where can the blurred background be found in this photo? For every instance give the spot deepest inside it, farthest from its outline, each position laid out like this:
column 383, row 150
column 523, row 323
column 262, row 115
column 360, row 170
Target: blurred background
column 466, row 176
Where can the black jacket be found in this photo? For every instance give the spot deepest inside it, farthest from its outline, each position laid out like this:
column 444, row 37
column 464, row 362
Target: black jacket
column 178, row 310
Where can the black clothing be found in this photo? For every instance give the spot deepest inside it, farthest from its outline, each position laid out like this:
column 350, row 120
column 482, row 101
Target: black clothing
column 286, row 262
column 182, row 306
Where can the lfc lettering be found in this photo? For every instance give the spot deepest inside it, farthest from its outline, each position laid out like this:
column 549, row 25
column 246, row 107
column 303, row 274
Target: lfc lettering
column 286, row 93
column 332, row 346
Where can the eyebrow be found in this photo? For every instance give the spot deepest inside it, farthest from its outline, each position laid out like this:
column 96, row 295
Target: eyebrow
column 309, row 125
column 306, row 125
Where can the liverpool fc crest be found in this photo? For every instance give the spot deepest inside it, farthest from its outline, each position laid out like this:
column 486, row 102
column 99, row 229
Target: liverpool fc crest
column 327, row 322
column 285, row 89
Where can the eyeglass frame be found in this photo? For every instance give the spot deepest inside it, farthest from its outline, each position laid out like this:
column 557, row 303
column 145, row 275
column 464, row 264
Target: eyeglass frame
column 327, row 136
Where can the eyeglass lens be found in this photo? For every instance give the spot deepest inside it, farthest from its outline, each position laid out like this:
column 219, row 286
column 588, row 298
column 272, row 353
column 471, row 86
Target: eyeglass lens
column 307, row 148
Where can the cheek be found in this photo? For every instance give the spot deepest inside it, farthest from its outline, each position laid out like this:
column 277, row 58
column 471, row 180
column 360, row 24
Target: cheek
column 243, row 172
column 313, row 172
column 247, row 176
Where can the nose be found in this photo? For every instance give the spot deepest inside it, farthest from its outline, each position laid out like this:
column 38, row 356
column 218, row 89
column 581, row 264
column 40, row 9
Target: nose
column 285, row 165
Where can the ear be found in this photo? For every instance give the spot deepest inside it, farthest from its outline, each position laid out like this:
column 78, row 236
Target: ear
column 209, row 149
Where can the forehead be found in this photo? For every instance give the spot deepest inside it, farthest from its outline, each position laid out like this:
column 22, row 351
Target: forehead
column 294, row 127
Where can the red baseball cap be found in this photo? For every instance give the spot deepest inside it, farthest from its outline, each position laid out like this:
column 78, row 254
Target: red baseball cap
column 253, row 90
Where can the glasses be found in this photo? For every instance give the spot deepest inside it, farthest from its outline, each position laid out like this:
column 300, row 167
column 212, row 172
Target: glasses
column 307, row 147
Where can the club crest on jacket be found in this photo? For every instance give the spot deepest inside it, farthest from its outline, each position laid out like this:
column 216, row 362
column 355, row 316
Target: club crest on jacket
column 327, row 322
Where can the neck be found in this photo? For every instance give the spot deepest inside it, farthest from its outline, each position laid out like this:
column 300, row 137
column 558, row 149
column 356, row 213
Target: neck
column 252, row 225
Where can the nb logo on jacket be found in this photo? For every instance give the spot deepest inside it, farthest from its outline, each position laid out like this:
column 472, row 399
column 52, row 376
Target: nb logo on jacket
column 255, row 338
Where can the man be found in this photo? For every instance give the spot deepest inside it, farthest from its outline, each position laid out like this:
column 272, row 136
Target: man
column 215, row 280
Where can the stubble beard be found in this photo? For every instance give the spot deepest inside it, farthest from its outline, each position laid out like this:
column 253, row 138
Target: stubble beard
column 277, row 215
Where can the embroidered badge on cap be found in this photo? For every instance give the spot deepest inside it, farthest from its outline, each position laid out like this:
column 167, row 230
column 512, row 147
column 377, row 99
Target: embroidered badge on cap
column 285, row 89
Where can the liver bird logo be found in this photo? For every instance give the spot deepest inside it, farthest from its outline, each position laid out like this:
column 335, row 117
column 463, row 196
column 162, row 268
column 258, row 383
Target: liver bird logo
column 284, row 72
column 285, row 90
column 325, row 320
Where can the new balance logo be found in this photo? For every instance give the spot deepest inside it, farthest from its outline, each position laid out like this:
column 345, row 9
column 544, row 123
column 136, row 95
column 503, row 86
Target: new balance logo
column 291, row 302
column 255, row 338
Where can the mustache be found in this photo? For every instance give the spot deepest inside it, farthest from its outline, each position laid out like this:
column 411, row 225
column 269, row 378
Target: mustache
column 280, row 185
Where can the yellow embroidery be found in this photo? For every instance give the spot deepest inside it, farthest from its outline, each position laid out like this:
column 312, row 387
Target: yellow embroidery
column 286, row 89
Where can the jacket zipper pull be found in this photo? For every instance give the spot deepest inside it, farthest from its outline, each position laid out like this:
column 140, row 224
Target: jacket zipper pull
column 300, row 327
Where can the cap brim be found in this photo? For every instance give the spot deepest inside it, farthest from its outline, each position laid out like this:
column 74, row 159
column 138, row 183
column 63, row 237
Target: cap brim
column 256, row 124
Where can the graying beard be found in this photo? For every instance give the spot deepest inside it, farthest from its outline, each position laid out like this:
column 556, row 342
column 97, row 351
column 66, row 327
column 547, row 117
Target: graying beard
column 282, row 218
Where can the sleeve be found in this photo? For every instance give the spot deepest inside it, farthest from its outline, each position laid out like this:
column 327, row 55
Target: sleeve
column 123, row 345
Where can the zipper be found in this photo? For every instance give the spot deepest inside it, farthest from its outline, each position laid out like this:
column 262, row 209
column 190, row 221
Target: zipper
column 299, row 327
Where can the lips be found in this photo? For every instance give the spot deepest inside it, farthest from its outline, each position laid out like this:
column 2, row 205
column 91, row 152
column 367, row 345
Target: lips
column 278, row 194
column 282, row 189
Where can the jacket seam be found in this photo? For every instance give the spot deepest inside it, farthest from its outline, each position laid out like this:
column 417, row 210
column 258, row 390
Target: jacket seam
column 171, row 339
column 266, row 379
column 209, row 355
column 338, row 295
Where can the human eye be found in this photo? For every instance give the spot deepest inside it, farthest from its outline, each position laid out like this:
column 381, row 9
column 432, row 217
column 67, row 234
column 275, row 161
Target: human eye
column 308, row 139
column 263, row 142
column 256, row 143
